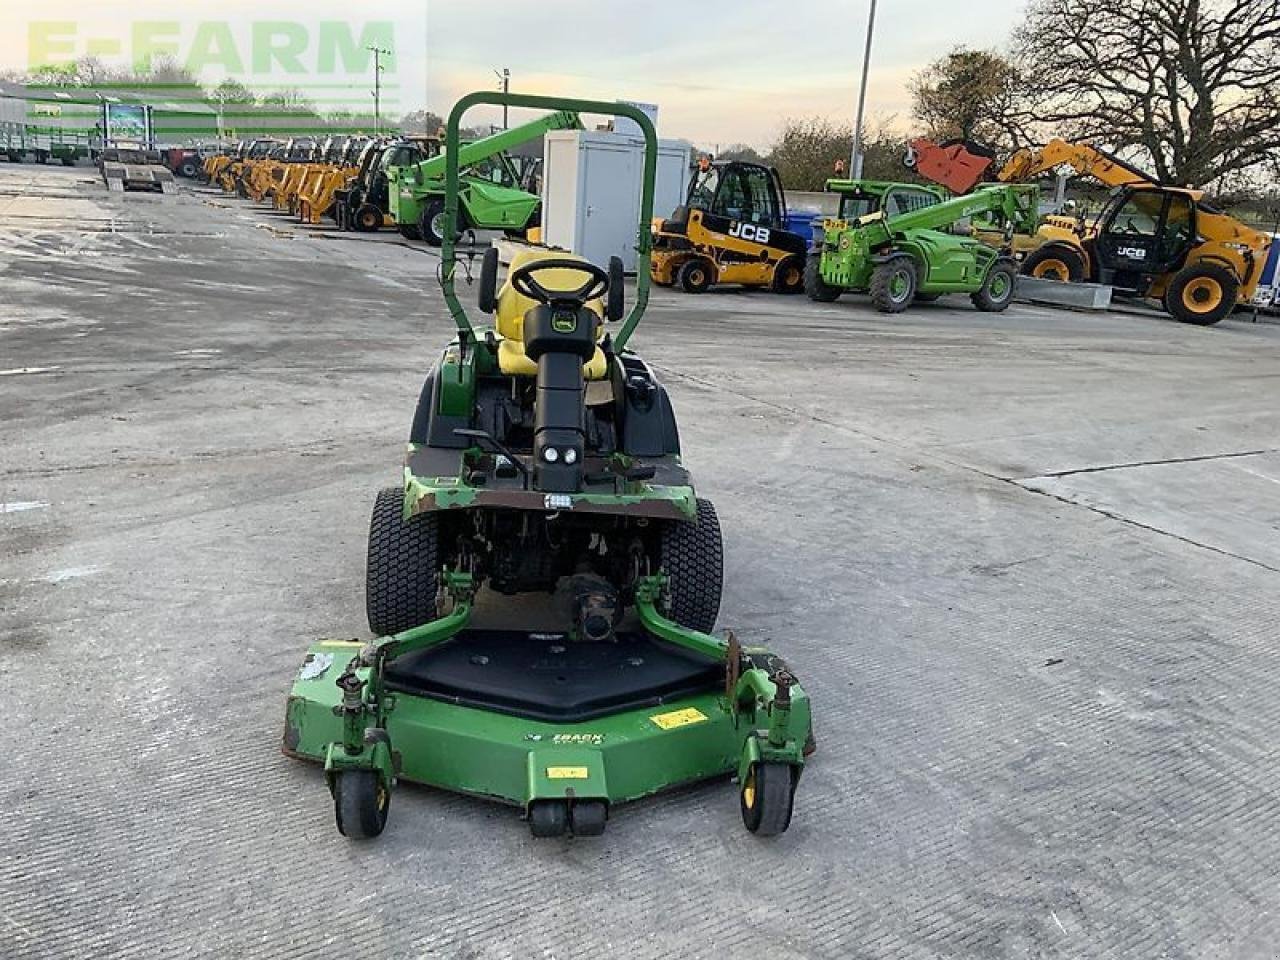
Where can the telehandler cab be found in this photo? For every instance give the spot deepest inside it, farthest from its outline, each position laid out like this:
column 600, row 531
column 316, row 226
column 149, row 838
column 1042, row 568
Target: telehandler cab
column 544, row 457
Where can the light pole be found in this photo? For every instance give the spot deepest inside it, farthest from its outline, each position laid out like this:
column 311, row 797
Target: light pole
column 855, row 161
column 378, row 53
column 504, row 77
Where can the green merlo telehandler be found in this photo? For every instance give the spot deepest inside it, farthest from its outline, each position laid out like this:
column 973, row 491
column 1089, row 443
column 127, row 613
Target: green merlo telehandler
column 913, row 256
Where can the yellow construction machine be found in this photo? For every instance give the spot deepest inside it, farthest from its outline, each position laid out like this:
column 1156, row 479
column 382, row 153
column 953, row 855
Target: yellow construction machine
column 317, row 195
column 1163, row 242
column 732, row 228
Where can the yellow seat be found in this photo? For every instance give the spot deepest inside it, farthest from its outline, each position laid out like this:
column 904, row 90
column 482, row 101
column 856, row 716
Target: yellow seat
column 511, row 307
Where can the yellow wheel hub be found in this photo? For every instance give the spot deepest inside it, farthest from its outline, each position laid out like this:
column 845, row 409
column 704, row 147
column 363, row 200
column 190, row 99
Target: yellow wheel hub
column 749, row 790
column 1051, row 269
column 1202, row 295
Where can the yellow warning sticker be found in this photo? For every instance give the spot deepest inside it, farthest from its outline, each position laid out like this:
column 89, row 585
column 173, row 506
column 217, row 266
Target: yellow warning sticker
column 567, row 773
column 679, row 718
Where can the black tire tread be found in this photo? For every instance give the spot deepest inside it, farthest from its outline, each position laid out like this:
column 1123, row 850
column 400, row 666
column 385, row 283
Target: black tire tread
column 882, row 276
column 402, row 573
column 775, row 800
column 1056, row 251
column 684, row 277
column 982, row 298
column 693, row 559
column 355, row 804
column 1173, row 294
column 817, row 288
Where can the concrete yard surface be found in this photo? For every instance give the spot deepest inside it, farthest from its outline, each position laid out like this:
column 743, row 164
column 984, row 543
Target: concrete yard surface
column 1026, row 565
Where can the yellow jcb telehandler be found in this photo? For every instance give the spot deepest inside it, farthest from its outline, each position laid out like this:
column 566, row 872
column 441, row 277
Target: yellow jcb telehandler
column 1152, row 240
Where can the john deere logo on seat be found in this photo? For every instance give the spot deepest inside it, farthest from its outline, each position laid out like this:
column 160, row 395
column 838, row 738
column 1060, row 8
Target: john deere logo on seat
column 564, row 323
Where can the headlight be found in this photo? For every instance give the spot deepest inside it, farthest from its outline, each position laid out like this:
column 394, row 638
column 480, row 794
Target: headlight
column 551, row 454
column 571, row 455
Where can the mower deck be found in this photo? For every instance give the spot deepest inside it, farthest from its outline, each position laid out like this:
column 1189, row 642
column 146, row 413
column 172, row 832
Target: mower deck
column 520, row 717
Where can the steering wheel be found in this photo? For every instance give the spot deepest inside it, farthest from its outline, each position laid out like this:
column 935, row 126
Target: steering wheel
column 523, row 282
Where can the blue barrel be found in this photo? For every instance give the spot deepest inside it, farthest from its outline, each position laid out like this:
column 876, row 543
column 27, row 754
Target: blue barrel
column 803, row 222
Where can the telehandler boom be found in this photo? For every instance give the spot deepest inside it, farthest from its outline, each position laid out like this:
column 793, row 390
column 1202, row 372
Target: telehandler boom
column 490, row 197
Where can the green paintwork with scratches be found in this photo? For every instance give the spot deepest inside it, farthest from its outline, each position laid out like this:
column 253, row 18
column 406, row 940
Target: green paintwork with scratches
column 618, row 757
column 945, row 262
column 454, row 493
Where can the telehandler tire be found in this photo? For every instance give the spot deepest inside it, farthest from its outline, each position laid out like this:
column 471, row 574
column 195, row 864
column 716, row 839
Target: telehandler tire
column 997, row 289
column 368, row 219
column 401, row 575
column 789, row 276
column 694, row 276
column 893, row 284
column 1202, row 293
column 817, row 288
column 431, row 223
column 1054, row 261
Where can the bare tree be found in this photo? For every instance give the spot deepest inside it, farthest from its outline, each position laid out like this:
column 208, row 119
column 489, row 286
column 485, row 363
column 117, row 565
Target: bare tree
column 970, row 95
column 1192, row 83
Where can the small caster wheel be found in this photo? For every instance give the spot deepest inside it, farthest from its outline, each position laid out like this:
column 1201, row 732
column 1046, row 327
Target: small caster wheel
column 588, row 817
column 767, row 795
column 548, row 818
column 360, row 803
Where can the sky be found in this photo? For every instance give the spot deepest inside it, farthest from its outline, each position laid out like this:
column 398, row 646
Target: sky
column 720, row 73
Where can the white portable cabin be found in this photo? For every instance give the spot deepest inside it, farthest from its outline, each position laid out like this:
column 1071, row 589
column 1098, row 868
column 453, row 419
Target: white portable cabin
column 591, row 191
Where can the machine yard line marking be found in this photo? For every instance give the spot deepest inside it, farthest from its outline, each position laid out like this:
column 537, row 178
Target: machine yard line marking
column 16, row 371
column 1152, row 463
column 1014, row 482
column 18, row 506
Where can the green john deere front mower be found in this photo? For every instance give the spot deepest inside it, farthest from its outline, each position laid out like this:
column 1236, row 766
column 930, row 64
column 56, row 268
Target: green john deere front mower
column 544, row 458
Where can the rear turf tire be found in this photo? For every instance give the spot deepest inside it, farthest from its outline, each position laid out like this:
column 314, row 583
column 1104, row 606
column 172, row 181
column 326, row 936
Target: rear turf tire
column 693, row 559
column 360, row 804
column 893, row 284
column 817, row 288
column 767, row 797
column 402, row 575
column 998, row 288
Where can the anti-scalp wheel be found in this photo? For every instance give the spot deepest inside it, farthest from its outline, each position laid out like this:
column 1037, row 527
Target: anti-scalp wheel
column 548, row 818
column 360, row 803
column 766, row 797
